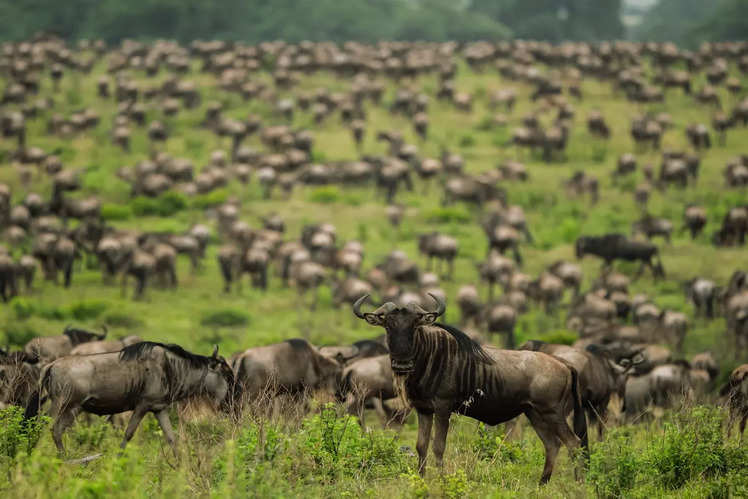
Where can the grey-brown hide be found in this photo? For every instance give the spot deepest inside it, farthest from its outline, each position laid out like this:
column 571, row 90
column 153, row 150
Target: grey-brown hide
column 49, row 348
column 105, row 346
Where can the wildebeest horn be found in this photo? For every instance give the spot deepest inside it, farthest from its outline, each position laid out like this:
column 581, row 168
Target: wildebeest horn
column 215, row 351
column 441, row 307
column 105, row 331
column 357, row 306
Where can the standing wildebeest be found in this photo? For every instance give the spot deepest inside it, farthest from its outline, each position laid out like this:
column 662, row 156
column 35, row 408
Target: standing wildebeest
column 617, row 247
column 439, row 246
column 440, row 370
column 695, row 219
column 736, row 391
column 292, row 367
column 653, row 226
column 144, row 377
column 49, row 348
column 602, row 373
column 702, row 292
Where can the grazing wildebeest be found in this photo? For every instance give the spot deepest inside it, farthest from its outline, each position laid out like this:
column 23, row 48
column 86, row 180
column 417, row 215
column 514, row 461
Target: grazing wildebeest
column 736, row 391
column 144, row 377
column 49, row 348
column 440, row 370
column 702, row 292
column 292, row 366
column 602, row 373
column 439, row 246
column 617, row 247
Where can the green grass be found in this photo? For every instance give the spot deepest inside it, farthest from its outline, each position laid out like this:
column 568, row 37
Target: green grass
column 288, row 458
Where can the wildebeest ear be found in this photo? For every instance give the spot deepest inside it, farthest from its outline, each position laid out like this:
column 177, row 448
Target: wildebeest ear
column 373, row 319
column 215, row 351
column 428, row 318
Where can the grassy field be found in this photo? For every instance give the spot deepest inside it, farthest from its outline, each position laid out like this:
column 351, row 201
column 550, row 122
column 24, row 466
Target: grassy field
column 325, row 454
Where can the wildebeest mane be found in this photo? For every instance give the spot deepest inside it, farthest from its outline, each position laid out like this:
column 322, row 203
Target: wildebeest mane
column 466, row 344
column 139, row 350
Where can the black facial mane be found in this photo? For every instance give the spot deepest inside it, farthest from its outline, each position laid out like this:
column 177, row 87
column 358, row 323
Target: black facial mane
column 466, row 344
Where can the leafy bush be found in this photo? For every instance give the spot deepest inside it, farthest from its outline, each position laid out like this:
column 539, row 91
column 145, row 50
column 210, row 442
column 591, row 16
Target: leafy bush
column 111, row 211
column 455, row 485
column 165, row 205
column 691, row 448
column 225, row 318
column 326, row 194
column 614, row 464
column 22, row 308
column 120, row 319
column 211, row 199
column 492, row 445
column 18, row 335
column 86, row 310
column 447, row 214
column 338, row 446
column 17, row 436
column 467, row 141
column 561, row 337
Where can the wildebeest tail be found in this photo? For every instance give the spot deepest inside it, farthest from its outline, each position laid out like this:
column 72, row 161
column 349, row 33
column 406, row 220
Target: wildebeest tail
column 580, row 420
column 38, row 397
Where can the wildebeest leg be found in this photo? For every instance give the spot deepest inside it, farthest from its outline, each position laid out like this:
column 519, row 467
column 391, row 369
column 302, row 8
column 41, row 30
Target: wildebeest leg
column 742, row 427
column 163, row 420
column 65, row 418
column 510, row 339
column 551, row 442
column 355, row 405
column 640, row 271
column 379, row 408
column 424, row 435
column 440, row 437
column 132, row 425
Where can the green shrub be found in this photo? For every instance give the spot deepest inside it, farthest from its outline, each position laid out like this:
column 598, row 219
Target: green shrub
column 111, row 211
column 614, row 464
column 448, row 214
column 325, row 194
column 121, row 319
column 165, row 205
column 467, row 141
column 19, row 334
column 86, row 310
column 225, row 318
column 455, row 485
column 561, row 337
column 211, row 199
column 491, row 445
column 22, row 308
column 15, row 436
column 691, row 448
column 339, row 447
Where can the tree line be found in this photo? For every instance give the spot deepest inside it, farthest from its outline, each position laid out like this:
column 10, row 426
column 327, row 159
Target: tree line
column 684, row 21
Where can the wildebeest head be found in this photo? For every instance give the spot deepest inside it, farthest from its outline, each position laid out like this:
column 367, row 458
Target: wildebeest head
column 219, row 381
column 400, row 323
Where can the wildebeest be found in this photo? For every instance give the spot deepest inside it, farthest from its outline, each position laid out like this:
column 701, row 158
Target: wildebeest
column 49, row 348
column 736, row 391
column 612, row 247
column 440, row 370
column 602, row 373
column 105, row 346
column 290, row 367
column 144, row 377
column 19, row 374
column 368, row 380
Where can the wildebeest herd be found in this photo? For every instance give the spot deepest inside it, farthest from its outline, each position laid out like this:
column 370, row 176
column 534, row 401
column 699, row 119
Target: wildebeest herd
column 628, row 355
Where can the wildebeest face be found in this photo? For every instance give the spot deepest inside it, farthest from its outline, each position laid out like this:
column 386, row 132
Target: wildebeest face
column 400, row 323
column 219, row 382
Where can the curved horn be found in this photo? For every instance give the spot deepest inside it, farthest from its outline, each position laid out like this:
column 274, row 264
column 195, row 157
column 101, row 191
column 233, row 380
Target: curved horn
column 357, row 306
column 215, row 351
column 104, row 333
column 441, row 307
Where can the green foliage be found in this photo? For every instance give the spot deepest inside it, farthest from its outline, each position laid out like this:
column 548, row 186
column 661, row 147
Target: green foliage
column 112, row 212
column 17, row 436
column 561, row 337
column 19, row 334
column 449, row 214
column 165, row 205
column 492, row 445
column 22, row 308
column 325, row 194
column 339, row 447
column 211, row 199
column 467, row 140
column 691, row 448
column 122, row 319
column 614, row 464
column 86, row 310
column 225, row 318
column 455, row 485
